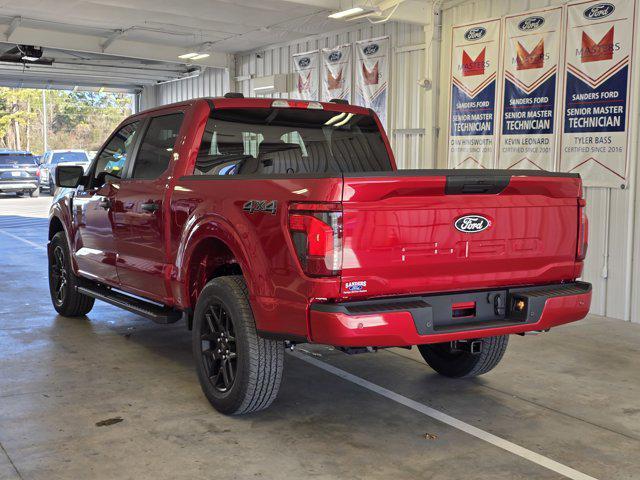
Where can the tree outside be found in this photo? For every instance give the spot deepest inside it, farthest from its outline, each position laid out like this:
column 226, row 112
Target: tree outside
column 74, row 120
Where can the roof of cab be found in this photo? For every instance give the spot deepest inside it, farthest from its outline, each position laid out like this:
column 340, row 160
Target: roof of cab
column 256, row 102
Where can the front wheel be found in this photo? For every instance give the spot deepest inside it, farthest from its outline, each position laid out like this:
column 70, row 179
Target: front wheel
column 459, row 363
column 239, row 372
column 63, row 282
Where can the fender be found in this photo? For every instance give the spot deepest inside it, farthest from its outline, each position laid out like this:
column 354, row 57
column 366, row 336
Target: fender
column 211, row 226
column 61, row 210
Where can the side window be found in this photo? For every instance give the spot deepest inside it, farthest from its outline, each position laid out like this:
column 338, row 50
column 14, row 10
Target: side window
column 156, row 150
column 112, row 159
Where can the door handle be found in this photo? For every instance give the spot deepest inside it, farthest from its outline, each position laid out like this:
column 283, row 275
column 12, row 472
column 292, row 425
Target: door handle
column 149, row 207
column 105, row 203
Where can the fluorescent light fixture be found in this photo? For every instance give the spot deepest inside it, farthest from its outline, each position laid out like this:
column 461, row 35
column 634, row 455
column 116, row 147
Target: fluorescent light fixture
column 188, row 55
column 265, row 87
column 347, row 13
column 200, row 56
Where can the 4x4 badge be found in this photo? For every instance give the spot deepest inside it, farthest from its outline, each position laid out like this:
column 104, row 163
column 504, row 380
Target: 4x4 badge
column 264, row 206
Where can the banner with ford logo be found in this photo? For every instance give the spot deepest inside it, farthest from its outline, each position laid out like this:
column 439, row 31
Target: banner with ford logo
column 372, row 75
column 598, row 65
column 531, row 54
column 475, row 56
column 336, row 73
column 305, row 66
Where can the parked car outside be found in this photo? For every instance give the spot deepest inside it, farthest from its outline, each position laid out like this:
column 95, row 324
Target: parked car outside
column 19, row 173
column 53, row 158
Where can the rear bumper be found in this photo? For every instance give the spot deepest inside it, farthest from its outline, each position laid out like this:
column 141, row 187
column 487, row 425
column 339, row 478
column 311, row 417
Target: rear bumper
column 430, row 319
column 18, row 187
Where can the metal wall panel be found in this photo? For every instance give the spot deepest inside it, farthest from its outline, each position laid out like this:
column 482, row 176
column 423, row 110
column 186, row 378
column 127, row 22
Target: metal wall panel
column 213, row 82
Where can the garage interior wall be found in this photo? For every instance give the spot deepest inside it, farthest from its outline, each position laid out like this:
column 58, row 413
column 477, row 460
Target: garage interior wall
column 417, row 128
column 407, row 108
column 212, row 82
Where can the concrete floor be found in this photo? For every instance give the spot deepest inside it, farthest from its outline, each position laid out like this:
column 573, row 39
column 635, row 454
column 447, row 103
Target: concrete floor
column 572, row 395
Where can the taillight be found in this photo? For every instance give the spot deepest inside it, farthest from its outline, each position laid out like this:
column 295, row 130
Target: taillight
column 583, row 230
column 316, row 231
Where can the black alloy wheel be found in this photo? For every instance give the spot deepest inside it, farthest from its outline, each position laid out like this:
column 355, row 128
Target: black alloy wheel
column 59, row 276
column 63, row 282
column 239, row 371
column 219, row 354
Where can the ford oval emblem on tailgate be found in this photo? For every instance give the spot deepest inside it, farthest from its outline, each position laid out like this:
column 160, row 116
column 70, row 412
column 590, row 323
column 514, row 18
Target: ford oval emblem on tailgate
column 472, row 224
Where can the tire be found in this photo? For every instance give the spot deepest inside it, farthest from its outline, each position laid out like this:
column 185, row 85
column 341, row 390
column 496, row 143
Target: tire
column 62, row 281
column 462, row 364
column 52, row 187
column 239, row 372
column 34, row 193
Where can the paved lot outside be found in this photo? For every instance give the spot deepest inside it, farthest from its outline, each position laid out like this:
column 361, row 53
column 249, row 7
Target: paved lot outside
column 561, row 405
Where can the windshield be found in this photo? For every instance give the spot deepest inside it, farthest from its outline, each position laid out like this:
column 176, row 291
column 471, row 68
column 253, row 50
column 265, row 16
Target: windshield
column 263, row 141
column 69, row 157
column 19, row 159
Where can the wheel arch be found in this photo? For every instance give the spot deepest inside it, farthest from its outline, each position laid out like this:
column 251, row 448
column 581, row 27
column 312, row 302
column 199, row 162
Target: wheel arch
column 55, row 226
column 210, row 249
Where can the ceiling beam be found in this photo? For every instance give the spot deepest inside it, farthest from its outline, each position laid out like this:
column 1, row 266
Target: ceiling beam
column 123, row 48
column 30, row 82
column 409, row 11
column 78, row 77
column 15, row 23
column 325, row 4
column 111, row 38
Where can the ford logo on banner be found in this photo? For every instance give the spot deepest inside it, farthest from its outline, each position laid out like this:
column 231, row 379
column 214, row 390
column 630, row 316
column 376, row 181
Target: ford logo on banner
column 371, row 49
column 334, row 56
column 531, row 23
column 304, row 62
column 599, row 10
column 472, row 224
column 475, row 33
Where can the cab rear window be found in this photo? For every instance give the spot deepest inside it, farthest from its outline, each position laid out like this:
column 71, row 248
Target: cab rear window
column 281, row 141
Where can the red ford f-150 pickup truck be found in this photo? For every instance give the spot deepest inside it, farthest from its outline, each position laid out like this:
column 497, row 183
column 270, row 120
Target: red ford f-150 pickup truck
column 269, row 222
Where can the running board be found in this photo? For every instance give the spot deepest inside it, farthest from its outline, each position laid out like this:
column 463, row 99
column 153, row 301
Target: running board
column 152, row 311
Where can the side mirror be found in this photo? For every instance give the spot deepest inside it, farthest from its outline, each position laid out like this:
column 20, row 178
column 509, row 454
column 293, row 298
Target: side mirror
column 69, row 176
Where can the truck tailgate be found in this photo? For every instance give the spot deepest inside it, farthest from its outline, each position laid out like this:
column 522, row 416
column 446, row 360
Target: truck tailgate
column 444, row 230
